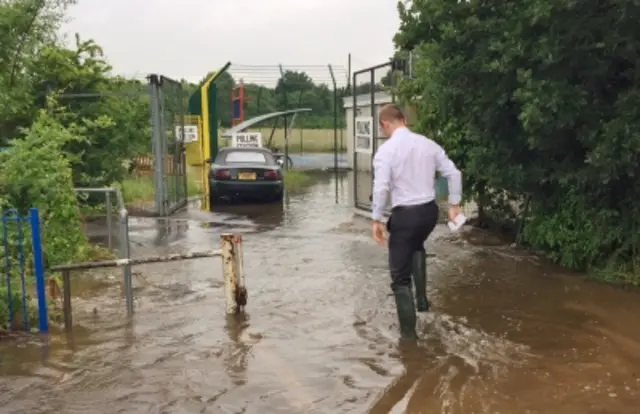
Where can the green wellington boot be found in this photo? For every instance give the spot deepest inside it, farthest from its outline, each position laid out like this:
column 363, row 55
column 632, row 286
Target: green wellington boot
column 420, row 280
column 406, row 312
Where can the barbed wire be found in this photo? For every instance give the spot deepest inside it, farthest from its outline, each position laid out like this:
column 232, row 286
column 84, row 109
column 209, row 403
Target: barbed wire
column 137, row 76
column 269, row 75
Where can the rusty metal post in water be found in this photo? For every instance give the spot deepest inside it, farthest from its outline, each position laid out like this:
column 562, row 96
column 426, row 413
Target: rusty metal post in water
column 66, row 289
column 126, row 254
column 107, row 195
column 240, row 268
column 232, row 269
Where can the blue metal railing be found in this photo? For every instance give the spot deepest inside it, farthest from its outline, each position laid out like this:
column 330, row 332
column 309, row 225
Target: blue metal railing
column 17, row 246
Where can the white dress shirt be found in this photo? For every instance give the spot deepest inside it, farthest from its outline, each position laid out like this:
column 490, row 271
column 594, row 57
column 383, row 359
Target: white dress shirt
column 405, row 167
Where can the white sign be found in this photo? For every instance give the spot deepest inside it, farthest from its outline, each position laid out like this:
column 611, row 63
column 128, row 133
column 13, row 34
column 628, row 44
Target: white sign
column 190, row 135
column 363, row 139
column 247, row 140
column 381, row 134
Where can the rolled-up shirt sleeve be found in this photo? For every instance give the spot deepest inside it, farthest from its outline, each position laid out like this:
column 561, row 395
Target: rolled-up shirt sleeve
column 448, row 169
column 381, row 183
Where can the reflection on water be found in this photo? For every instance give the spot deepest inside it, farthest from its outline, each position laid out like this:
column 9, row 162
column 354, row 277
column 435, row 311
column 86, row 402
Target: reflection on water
column 266, row 216
column 414, row 361
column 237, row 356
column 169, row 231
column 509, row 333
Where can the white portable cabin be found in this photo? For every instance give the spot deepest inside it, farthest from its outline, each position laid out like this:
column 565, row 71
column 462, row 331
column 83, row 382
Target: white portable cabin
column 363, row 108
column 360, row 160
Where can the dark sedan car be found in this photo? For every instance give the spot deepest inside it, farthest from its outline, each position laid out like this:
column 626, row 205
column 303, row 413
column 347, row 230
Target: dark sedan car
column 245, row 174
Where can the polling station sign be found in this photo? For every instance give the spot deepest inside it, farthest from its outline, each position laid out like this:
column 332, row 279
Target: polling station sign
column 363, row 139
column 247, row 140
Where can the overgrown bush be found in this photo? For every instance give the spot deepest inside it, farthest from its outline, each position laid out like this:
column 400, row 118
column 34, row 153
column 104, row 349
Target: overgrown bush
column 82, row 139
column 35, row 172
column 537, row 100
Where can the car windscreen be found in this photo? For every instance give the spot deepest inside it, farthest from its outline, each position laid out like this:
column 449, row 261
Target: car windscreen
column 253, row 157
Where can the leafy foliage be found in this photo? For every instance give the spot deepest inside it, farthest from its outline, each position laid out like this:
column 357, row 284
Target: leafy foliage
column 45, row 147
column 293, row 90
column 537, row 99
column 36, row 173
column 111, row 113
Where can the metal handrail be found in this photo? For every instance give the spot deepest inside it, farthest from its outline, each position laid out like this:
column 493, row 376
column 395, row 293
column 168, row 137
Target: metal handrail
column 232, row 264
column 124, row 247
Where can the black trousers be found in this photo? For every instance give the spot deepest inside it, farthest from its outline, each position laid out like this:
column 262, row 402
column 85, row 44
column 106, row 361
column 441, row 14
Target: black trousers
column 408, row 227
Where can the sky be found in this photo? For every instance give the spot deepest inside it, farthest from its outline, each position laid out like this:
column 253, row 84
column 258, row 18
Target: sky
column 190, row 38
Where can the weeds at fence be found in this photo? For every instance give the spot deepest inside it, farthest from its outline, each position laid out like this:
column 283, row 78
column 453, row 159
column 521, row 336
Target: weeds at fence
column 37, row 172
column 296, row 180
column 300, row 140
column 137, row 188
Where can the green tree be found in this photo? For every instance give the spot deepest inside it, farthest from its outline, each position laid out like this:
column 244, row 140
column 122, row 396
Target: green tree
column 290, row 86
column 35, row 172
column 35, row 65
column 293, row 89
column 537, row 100
column 261, row 100
column 112, row 113
column 26, row 26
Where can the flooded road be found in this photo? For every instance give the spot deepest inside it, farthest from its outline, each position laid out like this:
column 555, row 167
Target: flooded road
column 508, row 334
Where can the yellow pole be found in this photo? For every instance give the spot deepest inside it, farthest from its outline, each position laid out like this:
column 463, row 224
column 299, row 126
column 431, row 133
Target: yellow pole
column 206, row 130
column 193, row 150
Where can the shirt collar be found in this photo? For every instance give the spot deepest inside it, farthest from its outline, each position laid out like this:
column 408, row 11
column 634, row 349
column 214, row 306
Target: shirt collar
column 398, row 131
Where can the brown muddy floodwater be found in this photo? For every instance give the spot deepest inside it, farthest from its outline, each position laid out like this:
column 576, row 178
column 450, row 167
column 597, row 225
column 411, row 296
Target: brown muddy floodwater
column 509, row 334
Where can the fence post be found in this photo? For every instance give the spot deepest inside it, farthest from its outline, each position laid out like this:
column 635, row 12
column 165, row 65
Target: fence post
column 125, row 253
column 128, row 279
column 107, row 195
column 232, row 268
column 38, row 266
column 240, row 264
column 157, row 145
column 68, row 313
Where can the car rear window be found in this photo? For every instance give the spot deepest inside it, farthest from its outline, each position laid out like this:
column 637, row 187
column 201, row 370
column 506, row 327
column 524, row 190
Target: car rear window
column 246, row 156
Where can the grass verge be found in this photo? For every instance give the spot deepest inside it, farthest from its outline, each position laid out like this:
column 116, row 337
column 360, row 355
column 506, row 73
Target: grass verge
column 625, row 274
column 296, row 180
column 139, row 189
column 142, row 188
column 301, row 140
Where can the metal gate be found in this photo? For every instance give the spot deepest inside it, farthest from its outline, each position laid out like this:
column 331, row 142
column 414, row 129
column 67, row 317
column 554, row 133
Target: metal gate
column 168, row 105
column 22, row 265
column 372, row 88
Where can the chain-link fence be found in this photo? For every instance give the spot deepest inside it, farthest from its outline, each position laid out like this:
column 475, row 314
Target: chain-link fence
column 124, row 148
column 103, row 223
column 168, row 107
column 310, row 138
column 114, row 121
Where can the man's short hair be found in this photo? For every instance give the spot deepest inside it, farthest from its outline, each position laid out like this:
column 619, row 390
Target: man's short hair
column 391, row 113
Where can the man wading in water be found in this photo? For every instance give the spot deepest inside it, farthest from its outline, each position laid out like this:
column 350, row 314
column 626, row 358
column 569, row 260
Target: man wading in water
column 405, row 167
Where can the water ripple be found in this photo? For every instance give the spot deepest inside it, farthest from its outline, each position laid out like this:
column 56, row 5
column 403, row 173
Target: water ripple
column 320, row 334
